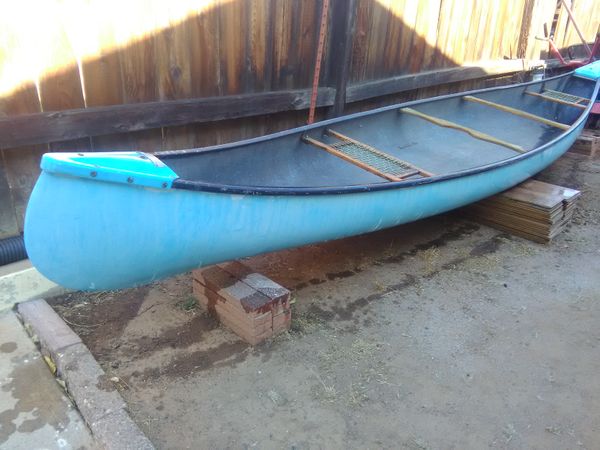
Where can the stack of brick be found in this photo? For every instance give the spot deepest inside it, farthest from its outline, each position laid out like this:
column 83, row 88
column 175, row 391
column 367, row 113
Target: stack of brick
column 248, row 303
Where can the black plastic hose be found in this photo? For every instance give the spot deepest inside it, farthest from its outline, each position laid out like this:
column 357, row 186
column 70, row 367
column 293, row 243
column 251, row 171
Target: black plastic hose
column 12, row 249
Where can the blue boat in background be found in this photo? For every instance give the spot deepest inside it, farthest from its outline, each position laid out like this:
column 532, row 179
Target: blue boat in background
column 100, row 221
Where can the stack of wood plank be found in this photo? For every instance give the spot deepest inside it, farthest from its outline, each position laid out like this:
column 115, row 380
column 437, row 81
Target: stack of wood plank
column 534, row 210
column 588, row 143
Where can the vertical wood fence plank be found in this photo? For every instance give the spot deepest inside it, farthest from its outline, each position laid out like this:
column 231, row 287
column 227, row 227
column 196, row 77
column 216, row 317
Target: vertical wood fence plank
column 8, row 218
column 282, row 17
column 233, row 52
column 60, row 87
column 205, row 71
column 343, row 14
column 307, row 27
column 103, row 82
column 543, row 12
column 21, row 165
column 172, row 62
column 360, row 41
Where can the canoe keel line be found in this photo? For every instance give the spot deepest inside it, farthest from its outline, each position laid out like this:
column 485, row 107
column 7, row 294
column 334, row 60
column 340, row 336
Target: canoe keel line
column 114, row 220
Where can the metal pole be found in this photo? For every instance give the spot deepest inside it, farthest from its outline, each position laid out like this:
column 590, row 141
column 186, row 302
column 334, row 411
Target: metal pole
column 315, row 87
column 570, row 13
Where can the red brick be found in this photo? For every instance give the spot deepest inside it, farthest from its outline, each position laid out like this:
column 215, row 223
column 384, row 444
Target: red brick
column 204, row 292
column 211, row 300
column 252, row 336
column 243, row 333
column 262, row 284
column 280, row 306
column 199, row 292
column 266, row 318
column 237, row 269
column 214, row 277
column 282, row 322
column 249, row 304
column 243, row 322
column 261, row 337
column 248, row 320
column 233, row 289
column 228, row 286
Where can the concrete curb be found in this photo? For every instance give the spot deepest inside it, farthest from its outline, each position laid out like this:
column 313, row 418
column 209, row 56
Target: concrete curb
column 100, row 404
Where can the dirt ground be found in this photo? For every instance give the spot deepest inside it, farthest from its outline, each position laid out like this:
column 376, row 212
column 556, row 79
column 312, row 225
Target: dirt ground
column 434, row 335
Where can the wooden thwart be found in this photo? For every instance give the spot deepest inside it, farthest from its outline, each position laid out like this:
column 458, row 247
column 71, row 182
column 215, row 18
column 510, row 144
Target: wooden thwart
column 473, row 133
column 517, row 112
column 367, row 157
column 557, row 99
column 341, row 155
column 565, row 96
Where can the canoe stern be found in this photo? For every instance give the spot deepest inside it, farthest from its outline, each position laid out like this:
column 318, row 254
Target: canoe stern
column 137, row 168
column 83, row 217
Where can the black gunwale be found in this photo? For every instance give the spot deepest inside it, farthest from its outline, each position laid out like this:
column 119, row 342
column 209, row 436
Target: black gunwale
column 192, row 185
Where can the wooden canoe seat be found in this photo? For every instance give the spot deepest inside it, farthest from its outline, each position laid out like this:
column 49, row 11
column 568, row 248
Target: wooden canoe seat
column 368, row 158
column 561, row 98
column 473, row 133
column 517, row 112
column 564, row 96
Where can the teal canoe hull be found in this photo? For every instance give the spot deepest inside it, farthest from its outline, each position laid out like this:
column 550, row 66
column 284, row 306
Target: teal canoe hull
column 90, row 234
column 98, row 221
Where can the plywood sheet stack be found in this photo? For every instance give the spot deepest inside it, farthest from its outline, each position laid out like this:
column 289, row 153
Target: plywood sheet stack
column 588, row 143
column 534, row 210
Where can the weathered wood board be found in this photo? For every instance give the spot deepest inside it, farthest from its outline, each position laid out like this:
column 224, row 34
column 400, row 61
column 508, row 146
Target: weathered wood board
column 535, row 210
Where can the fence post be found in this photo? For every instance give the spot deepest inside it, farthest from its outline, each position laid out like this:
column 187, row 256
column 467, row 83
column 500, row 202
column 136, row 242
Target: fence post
column 343, row 18
column 525, row 29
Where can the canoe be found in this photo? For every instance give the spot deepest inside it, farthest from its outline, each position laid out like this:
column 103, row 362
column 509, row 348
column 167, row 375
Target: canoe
column 119, row 219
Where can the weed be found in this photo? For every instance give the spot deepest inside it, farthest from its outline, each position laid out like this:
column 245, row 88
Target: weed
column 431, row 258
column 188, row 304
column 323, row 391
column 305, row 322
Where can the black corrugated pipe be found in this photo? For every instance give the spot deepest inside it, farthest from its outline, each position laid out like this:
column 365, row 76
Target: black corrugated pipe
column 12, row 249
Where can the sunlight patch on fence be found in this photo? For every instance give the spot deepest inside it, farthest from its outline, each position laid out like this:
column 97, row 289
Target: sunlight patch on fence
column 43, row 37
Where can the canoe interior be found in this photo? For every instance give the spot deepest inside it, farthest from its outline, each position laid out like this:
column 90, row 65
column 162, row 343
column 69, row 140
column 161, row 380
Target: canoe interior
column 286, row 161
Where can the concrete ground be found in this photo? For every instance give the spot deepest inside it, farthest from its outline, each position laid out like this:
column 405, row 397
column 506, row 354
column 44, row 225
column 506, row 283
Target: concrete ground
column 20, row 282
column 434, row 335
column 34, row 411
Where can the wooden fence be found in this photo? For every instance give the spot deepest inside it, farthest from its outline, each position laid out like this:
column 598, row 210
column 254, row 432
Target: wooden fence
column 151, row 75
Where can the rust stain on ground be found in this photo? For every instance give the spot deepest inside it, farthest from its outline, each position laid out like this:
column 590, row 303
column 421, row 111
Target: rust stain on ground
column 339, row 275
column 227, row 354
column 178, row 337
